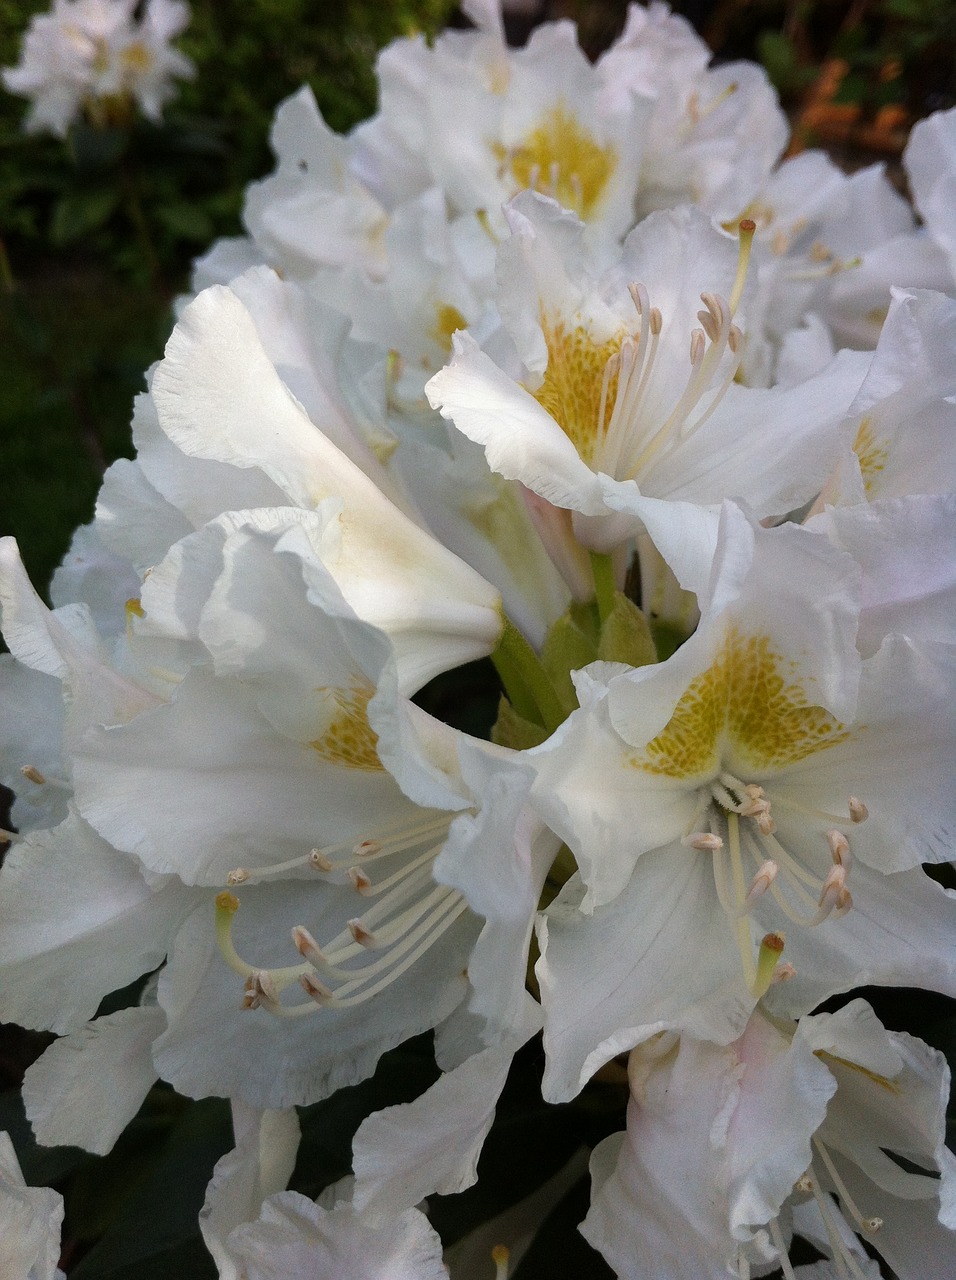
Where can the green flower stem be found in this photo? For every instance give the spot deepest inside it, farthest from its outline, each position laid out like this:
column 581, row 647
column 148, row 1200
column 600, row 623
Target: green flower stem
column 603, row 569
column 526, row 682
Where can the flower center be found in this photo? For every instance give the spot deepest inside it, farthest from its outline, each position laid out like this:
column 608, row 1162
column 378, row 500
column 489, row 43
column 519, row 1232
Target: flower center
column 872, row 455
column 747, row 714
column 348, row 740
column 561, row 159
column 606, row 394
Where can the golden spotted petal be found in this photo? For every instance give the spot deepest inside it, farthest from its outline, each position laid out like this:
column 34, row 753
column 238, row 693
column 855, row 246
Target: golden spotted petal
column 349, row 740
column 562, row 159
column 872, row 455
column 748, row 708
column 571, row 390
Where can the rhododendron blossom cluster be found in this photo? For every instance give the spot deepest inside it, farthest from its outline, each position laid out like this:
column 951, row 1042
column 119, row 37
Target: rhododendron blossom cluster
column 97, row 58
column 559, row 364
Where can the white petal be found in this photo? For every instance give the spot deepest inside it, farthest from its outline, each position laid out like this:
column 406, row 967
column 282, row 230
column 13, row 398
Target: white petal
column 661, row 955
column 295, row 1237
column 88, row 1086
column 430, row 1146
column 77, row 921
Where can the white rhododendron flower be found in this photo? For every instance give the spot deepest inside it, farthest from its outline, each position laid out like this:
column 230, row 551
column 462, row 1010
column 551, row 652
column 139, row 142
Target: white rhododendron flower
column 762, row 782
column 611, row 418
column 725, row 1143
column 546, row 364
column 95, row 56
column 930, row 161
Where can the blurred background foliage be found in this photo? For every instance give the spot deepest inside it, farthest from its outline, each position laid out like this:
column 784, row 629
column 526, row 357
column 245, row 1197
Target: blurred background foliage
column 96, row 238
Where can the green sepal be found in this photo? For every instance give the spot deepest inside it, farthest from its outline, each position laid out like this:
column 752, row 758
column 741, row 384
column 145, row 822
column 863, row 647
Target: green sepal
column 570, row 645
column 514, row 731
column 626, row 635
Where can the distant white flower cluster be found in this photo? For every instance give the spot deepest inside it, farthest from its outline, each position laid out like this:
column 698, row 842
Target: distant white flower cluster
column 97, row 57
column 562, row 364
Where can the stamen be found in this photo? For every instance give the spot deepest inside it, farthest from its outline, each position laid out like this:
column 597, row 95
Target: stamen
column 706, row 841
column 239, row 876
column 760, row 884
column 783, row 1252
column 319, row 861
column 360, row 880
column 698, row 341
column 833, row 886
column 316, row 990
column 858, row 810
column 804, row 1184
column 362, row 935
column 33, row 774
column 428, row 933
column 865, row 1224
column 365, row 848
column 840, row 849
column 307, row 946
column 740, row 923
column 642, row 303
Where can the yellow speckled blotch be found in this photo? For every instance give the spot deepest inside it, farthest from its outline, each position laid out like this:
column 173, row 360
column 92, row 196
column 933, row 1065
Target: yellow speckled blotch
column 447, row 320
column 560, row 143
column 571, row 390
column 871, row 454
column 349, row 740
column 743, row 707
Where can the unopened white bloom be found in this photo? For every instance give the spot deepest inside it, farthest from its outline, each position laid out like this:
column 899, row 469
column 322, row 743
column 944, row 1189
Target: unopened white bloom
column 94, row 55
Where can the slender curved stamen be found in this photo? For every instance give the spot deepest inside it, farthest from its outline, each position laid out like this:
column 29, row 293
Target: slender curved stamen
column 407, row 914
column 390, row 839
column 741, row 831
column 868, row 1225
column 776, row 1235
column 846, row 1264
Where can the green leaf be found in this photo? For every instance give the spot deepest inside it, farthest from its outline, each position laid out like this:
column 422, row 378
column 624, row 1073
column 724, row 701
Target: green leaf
column 96, row 149
column 626, row 635
column 188, row 221
column 77, row 215
column 156, row 1222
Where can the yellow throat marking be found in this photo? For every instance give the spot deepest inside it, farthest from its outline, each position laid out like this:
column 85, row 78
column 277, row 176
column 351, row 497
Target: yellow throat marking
column 349, row 740
column 560, row 145
column 872, row 455
column 571, row 390
column 743, row 706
